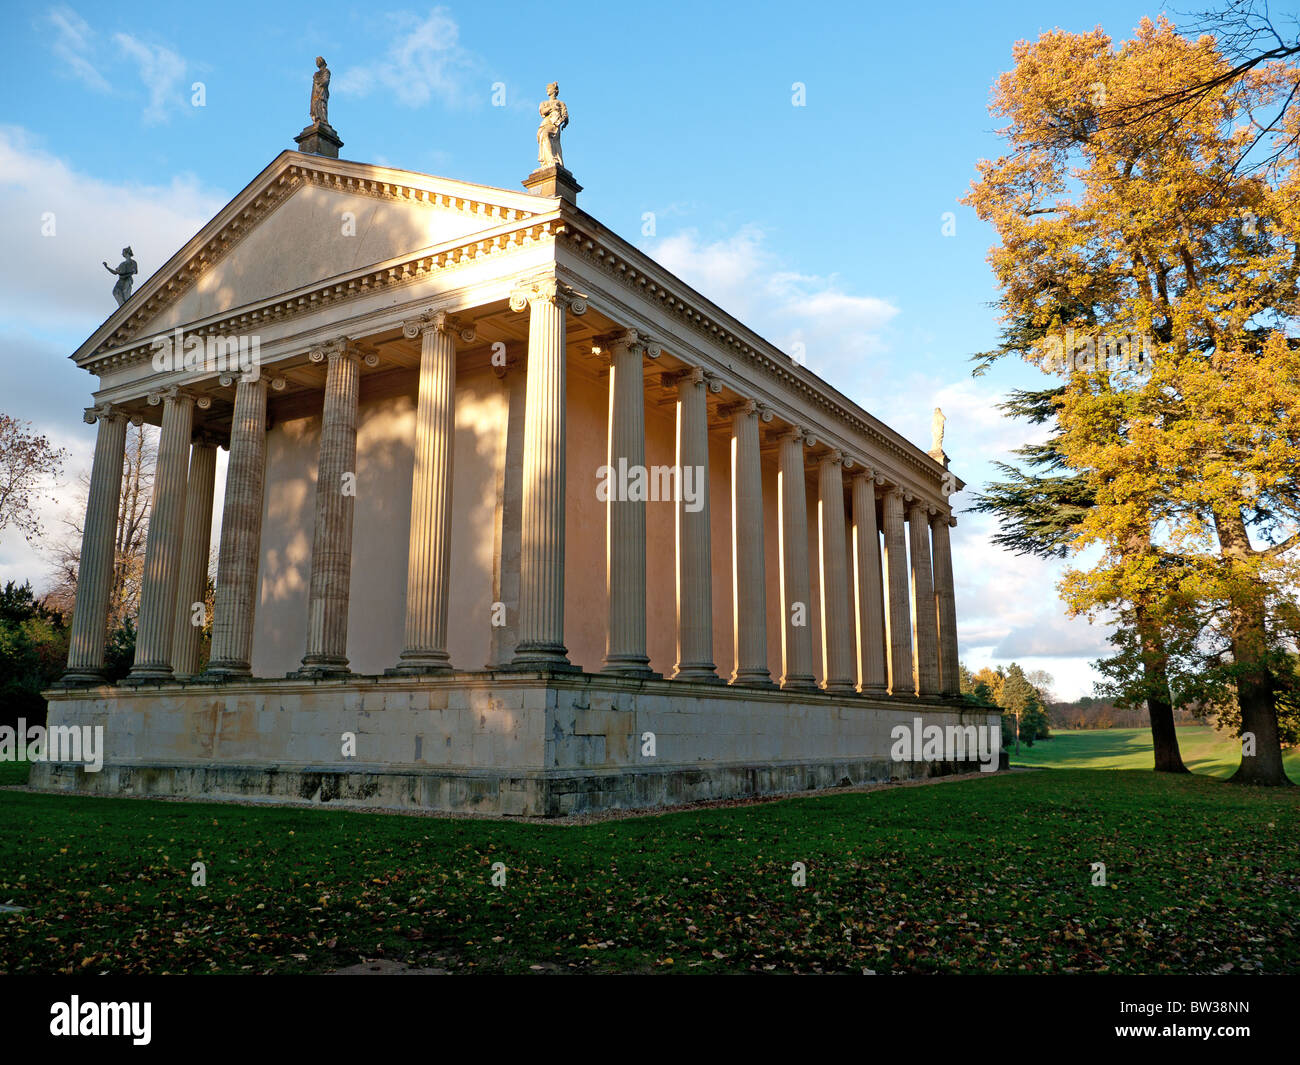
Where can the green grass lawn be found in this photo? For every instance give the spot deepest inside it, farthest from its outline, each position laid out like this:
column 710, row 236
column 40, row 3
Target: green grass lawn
column 989, row 874
column 1204, row 751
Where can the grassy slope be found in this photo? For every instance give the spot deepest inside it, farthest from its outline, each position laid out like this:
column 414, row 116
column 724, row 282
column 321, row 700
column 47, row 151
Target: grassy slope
column 1204, row 751
column 979, row 875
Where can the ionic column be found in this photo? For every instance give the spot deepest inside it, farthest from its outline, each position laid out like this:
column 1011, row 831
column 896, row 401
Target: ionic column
column 873, row 673
column 694, row 538
column 541, row 564
column 190, row 585
column 796, row 594
column 897, row 611
column 235, row 602
column 428, row 566
column 837, row 631
column 749, row 591
column 625, row 543
column 331, row 552
column 945, row 605
column 98, row 539
column 162, row 554
column 923, row 615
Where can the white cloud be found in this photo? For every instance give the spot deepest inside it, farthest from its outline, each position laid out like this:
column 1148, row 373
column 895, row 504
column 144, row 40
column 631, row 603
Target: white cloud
column 834, row 327
column 161, row 70
column 1056, row 637
column 74, row 45
column 56, row 285
column 424, row 60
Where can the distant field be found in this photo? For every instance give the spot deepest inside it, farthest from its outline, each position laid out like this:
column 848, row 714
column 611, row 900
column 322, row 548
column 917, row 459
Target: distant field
column 1204, row 751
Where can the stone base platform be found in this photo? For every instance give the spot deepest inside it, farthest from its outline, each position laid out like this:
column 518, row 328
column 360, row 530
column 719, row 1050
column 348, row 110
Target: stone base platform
column 512, row 744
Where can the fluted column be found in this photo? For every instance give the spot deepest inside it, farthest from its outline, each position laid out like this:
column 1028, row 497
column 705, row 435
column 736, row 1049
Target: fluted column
column 192, row 581
column 541, row 564
column 235, row 602
column 897, row 611
column 924, row 627
column 625, row 537
column 98, row 539
column 837, row 632
column 873, row 674
column 331, row 553
column 945, row 605
column 796, row 593
column 428, row 566
column 694, row 538
column 162, row 555
column 749, row 590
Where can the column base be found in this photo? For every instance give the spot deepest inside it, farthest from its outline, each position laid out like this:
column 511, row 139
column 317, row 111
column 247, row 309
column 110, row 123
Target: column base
column 81, row 678
column 752, row 678
column 800, row 683
column 416, row 663
column 539, row 657
column 539, row 665
column 420, row 666
column 147, row 674
column 874, row 690
column 840, row 687
column 698, row 673
column 317, row 667
column 225, row 670
column 630, row 666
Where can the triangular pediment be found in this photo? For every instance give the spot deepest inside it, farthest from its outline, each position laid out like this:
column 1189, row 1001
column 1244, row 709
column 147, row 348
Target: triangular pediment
column 303, row 220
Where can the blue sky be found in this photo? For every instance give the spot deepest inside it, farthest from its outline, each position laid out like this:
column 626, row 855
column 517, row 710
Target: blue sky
column 819, row 225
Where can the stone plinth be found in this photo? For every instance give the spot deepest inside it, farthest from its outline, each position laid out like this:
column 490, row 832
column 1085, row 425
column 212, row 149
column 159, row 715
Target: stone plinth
column 320, row 138
column 533, row 745
column 553, row 181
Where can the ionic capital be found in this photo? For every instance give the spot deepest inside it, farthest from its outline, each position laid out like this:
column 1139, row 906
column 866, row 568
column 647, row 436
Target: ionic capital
column 746, row 407
column 834, row 457
column 228, row 379
column 178, row 394
column 343, row 348
column 103, row 412
column 441, row 322
column 626, row 340
column 548, row 290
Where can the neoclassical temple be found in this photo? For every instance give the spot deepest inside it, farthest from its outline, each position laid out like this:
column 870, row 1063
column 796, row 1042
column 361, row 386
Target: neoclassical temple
column 515, row 521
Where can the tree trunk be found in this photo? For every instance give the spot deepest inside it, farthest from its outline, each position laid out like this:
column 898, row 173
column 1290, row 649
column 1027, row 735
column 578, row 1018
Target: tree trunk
column 1160, row 707
column 1255, row 692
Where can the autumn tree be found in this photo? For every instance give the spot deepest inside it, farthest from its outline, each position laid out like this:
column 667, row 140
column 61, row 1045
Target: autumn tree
column 28, row 464
column 1040, row 508
column 1189, row 450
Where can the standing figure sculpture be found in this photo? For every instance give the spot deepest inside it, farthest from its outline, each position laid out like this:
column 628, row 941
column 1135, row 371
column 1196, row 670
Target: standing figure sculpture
column 125, row 271
column 936, row 432
column 555, row 116
column 320, row 93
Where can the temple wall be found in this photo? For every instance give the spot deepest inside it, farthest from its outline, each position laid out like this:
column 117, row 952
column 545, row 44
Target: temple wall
column 376, row 615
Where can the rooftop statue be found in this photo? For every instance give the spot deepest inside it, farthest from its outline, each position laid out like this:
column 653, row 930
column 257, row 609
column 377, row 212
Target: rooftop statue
column 320, row 93
column 555, row 116
column 125, row 271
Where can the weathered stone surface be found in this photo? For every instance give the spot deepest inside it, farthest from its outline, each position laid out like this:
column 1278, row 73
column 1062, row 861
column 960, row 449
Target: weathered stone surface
column 506, row 744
